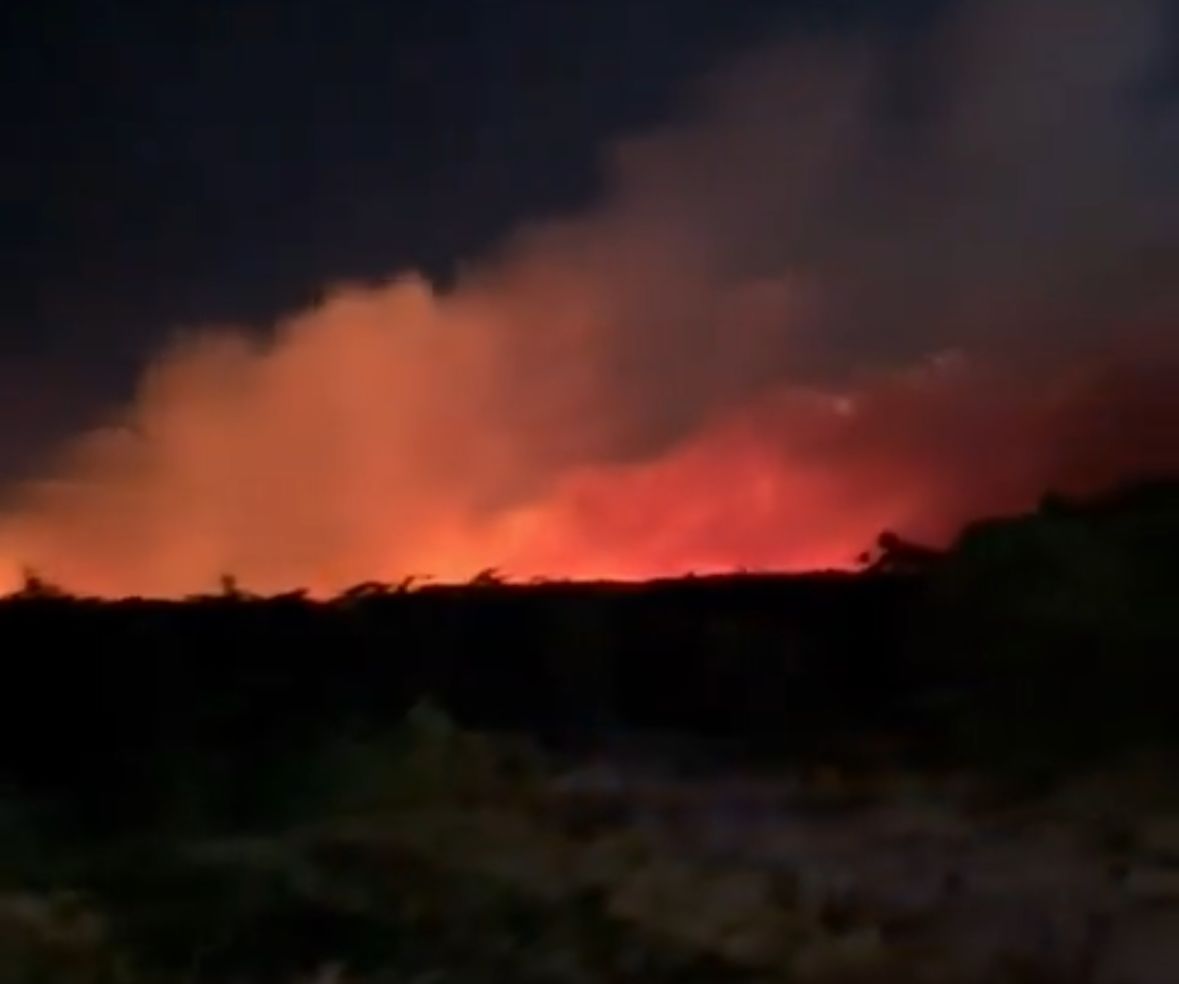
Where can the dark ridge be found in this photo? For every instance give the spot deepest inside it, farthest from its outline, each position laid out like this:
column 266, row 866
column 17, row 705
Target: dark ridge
column 1045, row 636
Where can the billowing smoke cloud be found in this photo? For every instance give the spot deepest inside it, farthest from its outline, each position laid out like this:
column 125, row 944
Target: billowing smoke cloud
column 852, row 288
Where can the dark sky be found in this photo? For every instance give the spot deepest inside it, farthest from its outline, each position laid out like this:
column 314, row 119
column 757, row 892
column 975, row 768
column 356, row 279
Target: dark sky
column 174, row 162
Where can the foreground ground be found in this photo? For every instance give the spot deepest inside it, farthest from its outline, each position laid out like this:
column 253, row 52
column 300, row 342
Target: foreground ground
column 450, row 857
column 955, row 768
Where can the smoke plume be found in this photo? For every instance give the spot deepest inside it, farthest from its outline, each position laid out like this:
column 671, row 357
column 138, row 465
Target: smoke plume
column 851, row 286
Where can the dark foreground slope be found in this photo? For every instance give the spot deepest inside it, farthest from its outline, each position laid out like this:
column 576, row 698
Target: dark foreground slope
column 230, row 790
column 99, row 692
column 1034, row 639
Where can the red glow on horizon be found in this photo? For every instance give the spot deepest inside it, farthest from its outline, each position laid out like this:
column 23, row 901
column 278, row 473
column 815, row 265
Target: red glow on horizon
column 783, row 328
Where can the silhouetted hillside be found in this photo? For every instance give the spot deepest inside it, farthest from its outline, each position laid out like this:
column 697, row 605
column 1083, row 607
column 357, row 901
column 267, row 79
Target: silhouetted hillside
column 1047, row 634
column 99, row 690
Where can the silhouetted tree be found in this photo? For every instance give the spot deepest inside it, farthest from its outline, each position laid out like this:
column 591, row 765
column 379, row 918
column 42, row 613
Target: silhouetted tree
column 900, row 556
column 34, row 586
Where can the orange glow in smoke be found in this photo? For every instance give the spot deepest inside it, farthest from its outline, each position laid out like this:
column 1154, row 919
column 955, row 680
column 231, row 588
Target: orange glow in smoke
column 779, row 332
column 387, row 434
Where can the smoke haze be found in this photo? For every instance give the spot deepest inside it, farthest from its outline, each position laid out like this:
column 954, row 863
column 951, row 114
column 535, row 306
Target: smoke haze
column 852, row 286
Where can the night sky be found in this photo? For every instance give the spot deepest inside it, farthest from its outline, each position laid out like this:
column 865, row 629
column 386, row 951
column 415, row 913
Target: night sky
column 177, row 163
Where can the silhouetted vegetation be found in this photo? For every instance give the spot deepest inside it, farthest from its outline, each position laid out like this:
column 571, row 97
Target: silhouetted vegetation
column 1059, row 630
column 1034, row 645
column 1062, row 622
